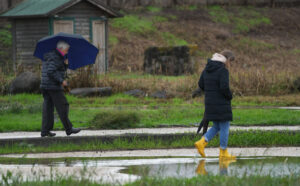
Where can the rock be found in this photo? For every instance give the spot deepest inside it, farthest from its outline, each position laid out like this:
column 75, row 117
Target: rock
column 135, row 93
column 197, row 93
column 169, row 60
column 159, row 94
column 86, row 92
column 26, row 82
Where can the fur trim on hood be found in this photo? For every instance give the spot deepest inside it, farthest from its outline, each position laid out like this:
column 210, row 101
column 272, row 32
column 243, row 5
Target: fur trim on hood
column 219, row 57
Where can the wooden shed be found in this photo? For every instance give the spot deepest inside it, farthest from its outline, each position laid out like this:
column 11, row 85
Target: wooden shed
column 35, row 19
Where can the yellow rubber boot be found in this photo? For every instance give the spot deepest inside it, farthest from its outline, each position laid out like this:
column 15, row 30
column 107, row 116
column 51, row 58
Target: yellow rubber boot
column 201, row 168
column 200, row 145
column 225, row 155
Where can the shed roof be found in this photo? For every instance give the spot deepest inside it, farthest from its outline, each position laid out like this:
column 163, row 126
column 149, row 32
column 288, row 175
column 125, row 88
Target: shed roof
column 45, row 8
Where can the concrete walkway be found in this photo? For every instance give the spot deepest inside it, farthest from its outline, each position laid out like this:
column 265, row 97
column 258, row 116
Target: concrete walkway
column 210, row 152
column 174, row 130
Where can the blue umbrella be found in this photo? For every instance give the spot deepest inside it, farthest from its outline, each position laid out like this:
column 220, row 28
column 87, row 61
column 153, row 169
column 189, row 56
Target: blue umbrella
column 81, row 52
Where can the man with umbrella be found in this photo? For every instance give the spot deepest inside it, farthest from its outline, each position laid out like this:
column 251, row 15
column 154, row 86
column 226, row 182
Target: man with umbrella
column 58, row 53
column 53, row 80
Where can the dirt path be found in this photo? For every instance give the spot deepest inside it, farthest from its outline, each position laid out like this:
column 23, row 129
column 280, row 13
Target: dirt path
column 24, row 135
column 210, row 152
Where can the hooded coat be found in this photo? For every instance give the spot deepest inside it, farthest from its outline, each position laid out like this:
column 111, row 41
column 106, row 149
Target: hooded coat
column 53, row 71
column 214, row 81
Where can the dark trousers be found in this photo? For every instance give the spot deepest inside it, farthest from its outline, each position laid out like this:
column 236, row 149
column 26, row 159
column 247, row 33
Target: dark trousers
column 57, row 99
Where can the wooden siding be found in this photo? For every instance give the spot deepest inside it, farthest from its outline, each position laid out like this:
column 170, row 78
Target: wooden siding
column 82, row 12
column 27, row 33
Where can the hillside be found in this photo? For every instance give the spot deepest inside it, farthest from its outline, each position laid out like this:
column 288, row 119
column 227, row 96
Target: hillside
column 265, row 40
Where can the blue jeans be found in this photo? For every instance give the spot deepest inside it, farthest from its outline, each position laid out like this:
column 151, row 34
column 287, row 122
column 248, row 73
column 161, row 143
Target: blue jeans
column 223, row 127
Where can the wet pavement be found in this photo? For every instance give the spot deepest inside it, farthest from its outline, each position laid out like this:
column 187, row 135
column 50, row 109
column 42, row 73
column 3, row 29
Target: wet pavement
column 173, row 130
column 210, row 152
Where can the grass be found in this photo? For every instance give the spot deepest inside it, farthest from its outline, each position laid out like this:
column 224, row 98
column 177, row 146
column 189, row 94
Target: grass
column 22, row 112
column 159, row 19
column 219, row 180
column 154, row 9
column 5, row 36
column 172, row 40
column 113, row 40
column 115, row 120
column 151, row 117
column 134, row 24
column 243, row 21
column 236, row 139
column 195, row 181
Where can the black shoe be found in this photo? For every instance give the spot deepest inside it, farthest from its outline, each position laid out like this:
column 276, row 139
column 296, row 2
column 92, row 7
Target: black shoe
column 73, row 131
column 48, row 134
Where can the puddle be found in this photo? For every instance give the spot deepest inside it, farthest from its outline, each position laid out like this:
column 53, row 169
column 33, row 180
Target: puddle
column 124, row 170
column 275, row 167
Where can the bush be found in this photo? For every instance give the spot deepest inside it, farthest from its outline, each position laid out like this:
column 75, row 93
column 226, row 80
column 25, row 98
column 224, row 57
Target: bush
column 14, row 108
column 116, row 120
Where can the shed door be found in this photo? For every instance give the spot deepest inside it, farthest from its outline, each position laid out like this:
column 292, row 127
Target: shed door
column 99, row 40
column 66, row 26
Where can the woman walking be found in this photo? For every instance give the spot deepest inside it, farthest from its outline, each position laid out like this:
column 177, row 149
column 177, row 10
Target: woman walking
column 214, row 81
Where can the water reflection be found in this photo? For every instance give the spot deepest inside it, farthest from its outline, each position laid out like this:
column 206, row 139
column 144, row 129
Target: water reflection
column 223, row 166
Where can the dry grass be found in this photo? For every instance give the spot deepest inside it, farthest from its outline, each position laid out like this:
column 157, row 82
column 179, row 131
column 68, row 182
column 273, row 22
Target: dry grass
column 267, row 60
column 243, row 82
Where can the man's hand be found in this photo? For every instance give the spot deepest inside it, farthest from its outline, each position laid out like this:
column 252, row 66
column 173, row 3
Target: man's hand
column 64, row 83
column 66, row 61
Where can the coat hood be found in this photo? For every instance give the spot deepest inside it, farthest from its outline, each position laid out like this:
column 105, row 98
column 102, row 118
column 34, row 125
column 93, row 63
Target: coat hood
column 213, row 65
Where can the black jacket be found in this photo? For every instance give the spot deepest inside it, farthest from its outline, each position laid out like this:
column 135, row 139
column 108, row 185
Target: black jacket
column 53, row 71
column 214, row 81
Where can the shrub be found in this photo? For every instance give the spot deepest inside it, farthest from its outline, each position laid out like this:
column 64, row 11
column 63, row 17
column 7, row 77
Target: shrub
column 14, row 108
column 115, row 120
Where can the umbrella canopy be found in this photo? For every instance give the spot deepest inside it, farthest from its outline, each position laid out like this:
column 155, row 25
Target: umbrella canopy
column 81, row 52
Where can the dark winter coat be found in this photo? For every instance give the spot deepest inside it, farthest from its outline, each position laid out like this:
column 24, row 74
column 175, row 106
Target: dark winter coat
column 214, row 81
column 53, row 71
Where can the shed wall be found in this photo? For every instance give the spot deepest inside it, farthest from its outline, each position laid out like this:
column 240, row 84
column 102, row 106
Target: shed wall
column 82, row 12
column 27, row 33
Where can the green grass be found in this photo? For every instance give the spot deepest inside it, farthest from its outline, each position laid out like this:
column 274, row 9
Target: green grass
column 258, row 45
column 154, row 9
column 243, row 21
column 296, row 51
column 195, row 181
column 151, row 117
column 172, row 40
column 159, row 19
column 134, row 24
column 236, row 139
column 115, row 120
column 22, row 112
column 5, row 36
column 113, row 40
